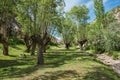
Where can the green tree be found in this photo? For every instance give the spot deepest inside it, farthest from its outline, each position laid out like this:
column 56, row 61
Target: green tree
column 99, row 24
column 112, row 37
column 26, row 10
column 100, row 13
column 79, row 14
column 7, row 18
column 43, row 14
column 68, row 32
column 96, row 32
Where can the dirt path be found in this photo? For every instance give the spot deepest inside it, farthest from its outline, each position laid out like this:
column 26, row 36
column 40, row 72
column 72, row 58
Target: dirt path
column 109, row 61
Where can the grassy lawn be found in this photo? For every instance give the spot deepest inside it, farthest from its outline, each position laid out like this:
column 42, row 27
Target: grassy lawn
column 60, row 64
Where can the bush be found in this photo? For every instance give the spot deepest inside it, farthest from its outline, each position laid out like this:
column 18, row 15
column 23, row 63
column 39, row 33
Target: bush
column 16, row 41
column 115, row 56
column 96, row 39
column 112, row 37
column 53, row 44
column 107, row 39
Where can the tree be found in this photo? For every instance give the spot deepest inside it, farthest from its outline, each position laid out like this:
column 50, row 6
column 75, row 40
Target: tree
column 99, row 24
column 97, row 28
column 7, row 22
column 68, row 31
column 100, row 13
column 79, row 14
column 43, row 14
column 112, row 37
column 26, row 9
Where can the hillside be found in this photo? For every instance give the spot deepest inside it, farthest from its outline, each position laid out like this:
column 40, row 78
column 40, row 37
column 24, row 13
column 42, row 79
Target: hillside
column 116, row 12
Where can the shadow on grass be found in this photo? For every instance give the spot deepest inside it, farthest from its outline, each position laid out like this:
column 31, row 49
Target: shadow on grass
column 101, row 73
column 62, row 50
column 22, row 67
column 56, row 60
column 64, row 75
column 7, row 63
column 16, row 68
column 15, row 72
column 12, row 55
column 16, row 47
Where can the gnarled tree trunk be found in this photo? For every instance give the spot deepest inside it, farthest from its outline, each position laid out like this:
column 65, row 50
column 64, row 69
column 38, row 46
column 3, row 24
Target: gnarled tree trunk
column 81, row 43
column 40, row 56
column 33, row 48
column 5, row 48
column 42, row 43
column 27, row 43
column 5, row 45
column 67, row 45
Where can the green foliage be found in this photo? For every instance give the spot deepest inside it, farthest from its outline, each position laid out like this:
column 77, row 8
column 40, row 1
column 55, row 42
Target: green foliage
column 109, row 18
column 102, row 35
column 115, row 56
column 79, row 14
column 16, row 41
column 113, row 37
column 7, row 9
column 106, row 39
column 39, row 16
column 100, row 13
column 96, row 40
column 68, row 30
column 52, row 44
column 95, row 30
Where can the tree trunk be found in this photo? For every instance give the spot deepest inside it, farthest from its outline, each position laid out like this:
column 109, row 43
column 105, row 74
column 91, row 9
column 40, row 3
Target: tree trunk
column 33, row 48
column 81, row 43
column 40, row 57
column 81, row 46
column 28, row 48
column 5, row 48
column 27, row 43
column 44, row 49
column 5, row 45
column 67, row 45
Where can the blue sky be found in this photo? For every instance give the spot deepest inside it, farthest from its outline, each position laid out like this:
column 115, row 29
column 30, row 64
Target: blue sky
column 108, row 4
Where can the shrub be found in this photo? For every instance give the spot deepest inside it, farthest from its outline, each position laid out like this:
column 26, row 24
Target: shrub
column 96, row 39
column 107, row 39
column 115, row 56
column 16, row 41
column 112, row 37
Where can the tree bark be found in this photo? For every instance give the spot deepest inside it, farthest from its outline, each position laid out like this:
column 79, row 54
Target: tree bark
column 33, row 48
column 5, row 45
column 81, row 46
column 40, row 57
column 27, row 43
column 67, row 45
column 44, row 49
column 28, row 48
column 5, row 48
column 81, row 43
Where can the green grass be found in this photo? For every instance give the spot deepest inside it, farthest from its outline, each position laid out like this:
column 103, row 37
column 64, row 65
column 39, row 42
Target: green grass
column 60, row 64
